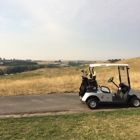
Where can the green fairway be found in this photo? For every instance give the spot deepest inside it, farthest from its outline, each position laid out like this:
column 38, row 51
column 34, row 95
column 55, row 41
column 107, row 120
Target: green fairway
column 123, row 124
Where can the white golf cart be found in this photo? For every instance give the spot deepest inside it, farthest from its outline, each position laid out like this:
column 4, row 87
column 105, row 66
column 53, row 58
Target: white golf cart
column 93, row 94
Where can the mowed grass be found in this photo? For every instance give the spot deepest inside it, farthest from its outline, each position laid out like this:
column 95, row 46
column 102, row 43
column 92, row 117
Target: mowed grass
column 61, row 80
column 123, row 124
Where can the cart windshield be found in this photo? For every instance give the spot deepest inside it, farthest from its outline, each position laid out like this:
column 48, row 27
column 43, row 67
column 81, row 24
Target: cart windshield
column 123, row 73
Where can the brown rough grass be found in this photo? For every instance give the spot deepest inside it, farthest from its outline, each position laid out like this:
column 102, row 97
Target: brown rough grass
column 40, row 85
column 64, row 80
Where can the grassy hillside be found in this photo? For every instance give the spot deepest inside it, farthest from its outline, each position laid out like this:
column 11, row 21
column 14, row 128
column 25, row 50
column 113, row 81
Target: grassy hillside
column 134, row 64
column 59, row 80
column 105, row 73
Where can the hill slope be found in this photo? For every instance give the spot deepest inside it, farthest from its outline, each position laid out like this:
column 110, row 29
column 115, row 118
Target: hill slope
column 61, row 80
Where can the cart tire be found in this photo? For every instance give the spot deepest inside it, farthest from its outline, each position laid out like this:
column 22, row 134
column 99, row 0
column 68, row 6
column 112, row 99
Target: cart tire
column 135, row 102
column 92, row 103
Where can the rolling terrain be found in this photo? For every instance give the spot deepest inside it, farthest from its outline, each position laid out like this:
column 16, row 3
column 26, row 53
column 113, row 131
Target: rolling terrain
column 62, row 80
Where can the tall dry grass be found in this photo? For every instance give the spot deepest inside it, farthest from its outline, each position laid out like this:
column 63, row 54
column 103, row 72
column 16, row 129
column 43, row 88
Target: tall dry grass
column 60, row 84
column 40, row 85
column 63, row 80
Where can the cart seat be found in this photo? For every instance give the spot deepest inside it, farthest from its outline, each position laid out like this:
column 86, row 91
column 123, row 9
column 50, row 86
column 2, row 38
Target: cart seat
column 124, row 88
column 92, row 85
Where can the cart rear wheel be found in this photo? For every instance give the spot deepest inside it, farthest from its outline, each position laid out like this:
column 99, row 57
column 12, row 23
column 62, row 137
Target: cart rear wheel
column 135, row 102
column 92, row 103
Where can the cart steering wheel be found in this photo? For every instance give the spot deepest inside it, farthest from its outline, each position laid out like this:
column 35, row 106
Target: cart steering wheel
column 111, row 79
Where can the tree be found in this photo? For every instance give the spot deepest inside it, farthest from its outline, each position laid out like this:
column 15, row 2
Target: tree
column 71, row 63
column 1, row 72
column 113, row 60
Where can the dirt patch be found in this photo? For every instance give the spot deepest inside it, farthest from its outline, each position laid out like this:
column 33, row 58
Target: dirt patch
column 52, row 113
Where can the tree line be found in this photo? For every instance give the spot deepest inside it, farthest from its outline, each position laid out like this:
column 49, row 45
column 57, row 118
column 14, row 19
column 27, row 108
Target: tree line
column 23, row 68
column 18, row 62
column 114, row 60
column 72, row 63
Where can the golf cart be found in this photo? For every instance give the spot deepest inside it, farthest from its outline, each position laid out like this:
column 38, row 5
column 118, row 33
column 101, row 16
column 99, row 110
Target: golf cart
column 93, row 94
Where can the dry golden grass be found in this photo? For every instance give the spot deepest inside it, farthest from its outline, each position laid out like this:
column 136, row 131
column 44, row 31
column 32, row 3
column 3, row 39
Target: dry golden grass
column 40, row 85
column 63, row 80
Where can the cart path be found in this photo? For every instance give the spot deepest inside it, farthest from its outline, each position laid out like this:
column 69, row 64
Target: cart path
column 46, row 104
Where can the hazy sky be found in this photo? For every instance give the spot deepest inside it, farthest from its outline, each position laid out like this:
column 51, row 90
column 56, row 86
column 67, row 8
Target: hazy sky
column 69, row 29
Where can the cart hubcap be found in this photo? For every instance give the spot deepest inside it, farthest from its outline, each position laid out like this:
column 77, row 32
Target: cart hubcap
column 136, row 102
column 93, row 104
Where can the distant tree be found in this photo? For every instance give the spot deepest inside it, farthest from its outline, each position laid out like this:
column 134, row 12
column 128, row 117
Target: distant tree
column 58, row 61
column 71, row 63
column 113, row 60
column 18, row 62
column 1, row 72
column 52, row 65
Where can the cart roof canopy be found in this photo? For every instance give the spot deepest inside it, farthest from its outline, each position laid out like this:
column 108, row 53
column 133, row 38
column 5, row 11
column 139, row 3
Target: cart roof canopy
column 107, row 65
